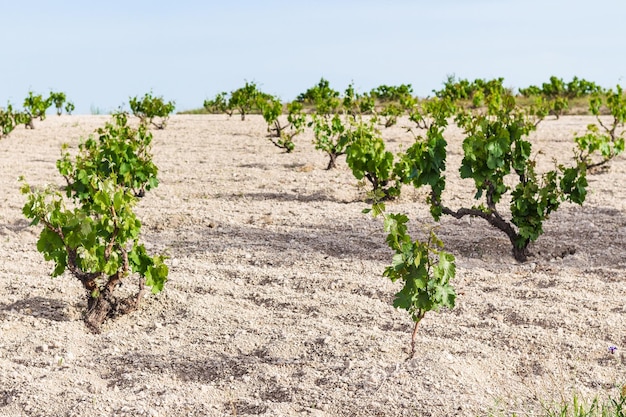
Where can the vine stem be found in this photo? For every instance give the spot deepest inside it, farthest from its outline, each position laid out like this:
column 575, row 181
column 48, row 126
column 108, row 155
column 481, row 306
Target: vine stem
column 413, row 340
column 419, row 317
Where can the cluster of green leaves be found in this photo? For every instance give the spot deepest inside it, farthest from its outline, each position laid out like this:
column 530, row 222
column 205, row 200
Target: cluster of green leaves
column 338, row 120
column 219, row 104
column 497, row 156
column 152, row 110
column 59, row 99
column 330, row 112
column 392, row 102
column 384, row 103
column 386, row 93
column 557, row 87
column 329, row 133
column 605, row 139
column 553, row 97
column 424, row 162
column 424, row 269
column 475, row 92
column 369, row 160
column 35, row 107
column 324, row 99
column 355, row 104
column 281, row 134
column 96, row 237
column 8, row 121
column 118, row 150
column 333, row 119
column 245, row 100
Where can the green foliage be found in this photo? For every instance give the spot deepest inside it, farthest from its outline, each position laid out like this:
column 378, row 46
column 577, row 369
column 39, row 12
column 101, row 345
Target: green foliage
column 497, row 157
column 7, row 121
column 59, row 99
column 118, row 151
column 577, row 407
column 545, row 105
column 386, row 93
column 495, row 147
column 556, row 87
column 355, row 104
column 602, row 138
column 149, row 108
column 367, row 158
column 325, row 100
column 424, row 269
column 279, row 133
column 23, row 118
column 296, row 118
column 392, row 102
column 553, row 97
column 271, row 108
column 424, row 162
column 390, row 112
column 96, row 237
column 35, row 107
column 69, row 107
column 245, row 99
column 219, row 104
column 329, row 132
column 476, row 92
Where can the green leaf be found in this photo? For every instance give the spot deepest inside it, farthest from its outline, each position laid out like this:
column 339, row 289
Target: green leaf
column 447, row 265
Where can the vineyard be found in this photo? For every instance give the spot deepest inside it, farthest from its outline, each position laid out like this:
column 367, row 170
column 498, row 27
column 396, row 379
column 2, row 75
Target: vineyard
column 275, row 301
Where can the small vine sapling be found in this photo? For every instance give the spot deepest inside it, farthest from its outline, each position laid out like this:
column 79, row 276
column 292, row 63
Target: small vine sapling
column 424, row 268
column 356, row 105
column 219, row 104
column 325, row 99
column 393, row 102
column 152, row 110
column 329, row 136
column 58, row 99
column 607, row 139
column 367, row 158
column 245, row 99
column 35, row 107
column 69, row 107
column 7, row 121
column 279, row 133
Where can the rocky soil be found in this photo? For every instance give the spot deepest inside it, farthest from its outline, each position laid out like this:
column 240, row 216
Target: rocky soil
column 276, row 305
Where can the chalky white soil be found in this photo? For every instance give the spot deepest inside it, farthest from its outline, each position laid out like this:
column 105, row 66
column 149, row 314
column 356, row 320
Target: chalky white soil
column 276, row 305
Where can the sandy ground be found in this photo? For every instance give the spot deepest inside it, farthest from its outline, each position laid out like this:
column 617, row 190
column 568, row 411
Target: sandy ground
column 276, row 305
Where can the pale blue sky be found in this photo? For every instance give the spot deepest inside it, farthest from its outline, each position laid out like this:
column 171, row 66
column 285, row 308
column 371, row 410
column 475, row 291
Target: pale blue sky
column 102, row 52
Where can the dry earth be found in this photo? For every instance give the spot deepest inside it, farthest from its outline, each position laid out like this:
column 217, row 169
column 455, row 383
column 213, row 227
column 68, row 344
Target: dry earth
column 276, row 305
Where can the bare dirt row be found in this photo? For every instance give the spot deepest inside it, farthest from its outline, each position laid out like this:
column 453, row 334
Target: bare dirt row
column 276, row 305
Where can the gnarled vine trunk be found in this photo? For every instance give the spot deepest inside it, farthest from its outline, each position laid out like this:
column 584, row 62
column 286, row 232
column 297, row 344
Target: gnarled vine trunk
column 106, row 305
column 493, row 218
column 98, row 310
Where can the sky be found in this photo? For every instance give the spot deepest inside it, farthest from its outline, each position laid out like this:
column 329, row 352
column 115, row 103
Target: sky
column 101, row 53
